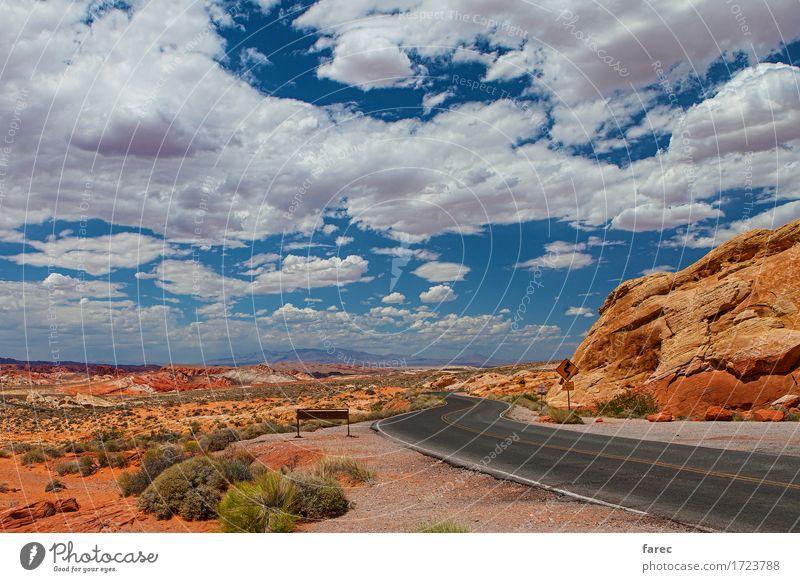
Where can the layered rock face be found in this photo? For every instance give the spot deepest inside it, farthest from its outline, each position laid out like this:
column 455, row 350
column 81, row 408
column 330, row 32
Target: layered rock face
column 722, row 332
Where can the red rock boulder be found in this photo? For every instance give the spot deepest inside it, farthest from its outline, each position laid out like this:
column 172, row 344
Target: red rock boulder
column 660, row 417
column 718, row 413
column 764, row 415
column 546, row 418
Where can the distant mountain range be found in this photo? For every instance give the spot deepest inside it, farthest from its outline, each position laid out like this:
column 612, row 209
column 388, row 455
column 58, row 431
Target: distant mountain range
column 347, row 357
column 297, row 357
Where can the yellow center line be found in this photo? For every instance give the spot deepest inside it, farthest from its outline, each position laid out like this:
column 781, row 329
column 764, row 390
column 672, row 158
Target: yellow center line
column 665, row 465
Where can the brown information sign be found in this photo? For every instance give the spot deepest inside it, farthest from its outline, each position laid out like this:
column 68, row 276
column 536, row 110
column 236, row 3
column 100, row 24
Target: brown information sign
column 323, row 414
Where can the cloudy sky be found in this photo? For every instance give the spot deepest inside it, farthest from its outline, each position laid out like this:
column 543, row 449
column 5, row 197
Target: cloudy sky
column 192, row 180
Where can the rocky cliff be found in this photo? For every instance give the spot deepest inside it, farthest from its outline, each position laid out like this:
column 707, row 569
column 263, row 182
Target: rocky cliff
column 724, row 331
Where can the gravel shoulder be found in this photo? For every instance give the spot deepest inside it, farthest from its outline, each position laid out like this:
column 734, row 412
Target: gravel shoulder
column 412, row 490
column 776, row 438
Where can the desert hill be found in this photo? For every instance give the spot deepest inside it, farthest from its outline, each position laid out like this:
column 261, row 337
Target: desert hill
column 724, row 331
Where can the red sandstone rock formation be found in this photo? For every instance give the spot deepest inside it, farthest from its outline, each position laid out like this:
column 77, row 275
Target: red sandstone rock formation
column 723, row 332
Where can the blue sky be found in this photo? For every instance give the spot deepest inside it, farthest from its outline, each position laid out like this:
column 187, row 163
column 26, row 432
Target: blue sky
column 201, row 180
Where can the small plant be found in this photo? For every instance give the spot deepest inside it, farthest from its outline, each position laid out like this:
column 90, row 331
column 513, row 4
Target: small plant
column 154, row 462
column 338, row 467
column 4, row 454
column 235, row 466
column 67, row 468
column 264, row 505
column 113, row 460
column 86, row 466
column 190, row 489
column 791, row 417
column 628, row 404
column 319, row 497
column 33, row 457
column 54, row 486
column 3, row 487
column 219, row 439
column 564, row 416
column 444, row 527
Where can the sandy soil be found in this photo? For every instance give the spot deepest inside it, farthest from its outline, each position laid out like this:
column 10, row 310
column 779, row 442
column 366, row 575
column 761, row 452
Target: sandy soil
column 412, row 490
column 762, row 437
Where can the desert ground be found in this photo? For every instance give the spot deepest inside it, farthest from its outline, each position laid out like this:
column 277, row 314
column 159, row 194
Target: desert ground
column 80, row 436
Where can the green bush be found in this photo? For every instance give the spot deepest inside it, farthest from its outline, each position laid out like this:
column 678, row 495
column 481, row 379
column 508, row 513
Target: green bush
column 34, row 456
column 4, row 454
column 264, row 505
column 86, row 465
column 564, row 416
column 318, row 497
column 219, row 440
column 443, row 527
column 113, row 460
column 235, row 466
column 54, row 486
column 190, row 489
column 83, row 466
column 154, row 462
column 628, row 404
column 67, row 468
column 336, row 467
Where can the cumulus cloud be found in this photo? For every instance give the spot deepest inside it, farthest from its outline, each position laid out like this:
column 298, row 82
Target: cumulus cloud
column 394, row 298
column 560, row 255
column 439, row 272
column 438, row 294
column 579, row 312
column 343, row 240
column 95, row 255
column 658, row 269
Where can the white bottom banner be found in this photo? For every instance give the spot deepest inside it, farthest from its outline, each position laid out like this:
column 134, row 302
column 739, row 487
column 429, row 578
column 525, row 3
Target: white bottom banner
column 196, row 557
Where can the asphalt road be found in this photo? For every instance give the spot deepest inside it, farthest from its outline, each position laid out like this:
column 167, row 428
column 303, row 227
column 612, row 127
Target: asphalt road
column 711, row 488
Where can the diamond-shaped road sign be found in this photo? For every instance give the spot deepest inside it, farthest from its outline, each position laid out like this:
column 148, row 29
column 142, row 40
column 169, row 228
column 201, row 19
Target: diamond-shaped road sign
column 567, row 369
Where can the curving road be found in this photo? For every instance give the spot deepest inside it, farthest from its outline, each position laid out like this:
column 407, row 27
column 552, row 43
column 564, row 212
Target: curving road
column 712, row 488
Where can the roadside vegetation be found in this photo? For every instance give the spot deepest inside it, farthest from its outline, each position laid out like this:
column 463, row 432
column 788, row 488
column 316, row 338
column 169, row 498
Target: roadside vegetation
column 444, row 527
column 628, row 404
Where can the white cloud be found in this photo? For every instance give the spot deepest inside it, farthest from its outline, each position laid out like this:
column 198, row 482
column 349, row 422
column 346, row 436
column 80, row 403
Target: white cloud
column 560, row 255
column 407, row 253
column 343, row 240
column 304, row 272
column 394, row 298
column 579, row 312
column 438, row 294
column 367, row 61
column 657, row 217
column 440, row 272
column 658, row 269
column 98, row 255
column 707, row 238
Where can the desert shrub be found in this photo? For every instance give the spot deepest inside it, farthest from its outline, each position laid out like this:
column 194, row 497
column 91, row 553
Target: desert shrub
column 17, row 448
column 190, row 489
column 4, row 454
column 86, row 465
column 564, row 416
column 113, row 460
column 54, row 486
column 236, row 467
column 318, row 497
column 132, row 483
column 154, row 462
column 791, row 417
column 3, row 487
column 78, row 447
column 443, row 527
column 264, row 505
column 337, row 467
column 219, row 439
column 192, row 447
column 628, row 404
column 34, row 456
column 252, row 431
column 67, row 468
